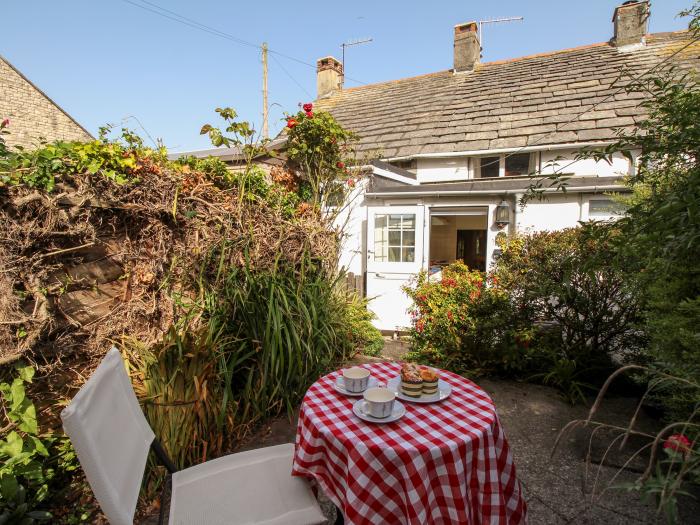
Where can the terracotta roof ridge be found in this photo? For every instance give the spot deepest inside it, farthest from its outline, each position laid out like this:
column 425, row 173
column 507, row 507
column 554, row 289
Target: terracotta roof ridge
column 652, row 36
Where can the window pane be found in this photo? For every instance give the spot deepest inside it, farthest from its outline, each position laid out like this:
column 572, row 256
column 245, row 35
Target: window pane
column 409, row 254
column 604, row 208
column 395, row 238
column 489, row 167
column 394, row 254
column 409, row 222
column 380, row 238
column 409, row 238
column 395, row 222
column 518, row 164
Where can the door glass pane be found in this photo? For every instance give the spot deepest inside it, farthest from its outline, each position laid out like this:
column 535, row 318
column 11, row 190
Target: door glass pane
column 394, row 237
column 380, row 238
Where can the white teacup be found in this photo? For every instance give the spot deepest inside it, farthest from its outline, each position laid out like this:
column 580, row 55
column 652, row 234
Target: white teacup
column 355, row 379
column 379, row 402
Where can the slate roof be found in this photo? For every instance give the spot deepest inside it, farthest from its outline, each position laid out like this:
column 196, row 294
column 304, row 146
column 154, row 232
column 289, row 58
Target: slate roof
column 508, row 104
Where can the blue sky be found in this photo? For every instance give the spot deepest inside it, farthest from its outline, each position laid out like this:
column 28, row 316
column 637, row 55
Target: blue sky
column 106, row 60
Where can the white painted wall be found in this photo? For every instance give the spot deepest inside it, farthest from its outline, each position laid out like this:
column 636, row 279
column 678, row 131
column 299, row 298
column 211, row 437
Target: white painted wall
column 353, row 219
column 556, row 212
column 563, row 162
column 442, row 170
column 457, row 168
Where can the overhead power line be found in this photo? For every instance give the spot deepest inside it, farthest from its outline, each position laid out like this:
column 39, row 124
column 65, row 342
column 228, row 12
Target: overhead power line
column 181, row 19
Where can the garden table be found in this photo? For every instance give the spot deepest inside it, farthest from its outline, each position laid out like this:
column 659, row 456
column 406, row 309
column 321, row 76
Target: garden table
column 442, row 463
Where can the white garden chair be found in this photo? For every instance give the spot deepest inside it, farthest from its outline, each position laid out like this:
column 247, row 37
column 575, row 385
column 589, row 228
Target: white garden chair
column 112, row 439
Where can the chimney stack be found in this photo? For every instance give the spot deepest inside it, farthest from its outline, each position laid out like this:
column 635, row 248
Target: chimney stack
column 329, row 76
column 467, row 46
column 630, row 21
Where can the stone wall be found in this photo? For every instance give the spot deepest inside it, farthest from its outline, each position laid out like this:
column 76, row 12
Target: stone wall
column 32, row 114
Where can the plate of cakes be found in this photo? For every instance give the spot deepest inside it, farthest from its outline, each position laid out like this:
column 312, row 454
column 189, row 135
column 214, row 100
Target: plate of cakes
column 419, row 384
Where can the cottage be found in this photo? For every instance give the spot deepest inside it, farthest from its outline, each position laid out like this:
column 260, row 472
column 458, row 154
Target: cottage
column 33, row 115
column 451, row 153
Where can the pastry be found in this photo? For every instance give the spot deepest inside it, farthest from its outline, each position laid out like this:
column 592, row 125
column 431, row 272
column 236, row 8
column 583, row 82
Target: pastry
column 411, row 380
column 430, row 381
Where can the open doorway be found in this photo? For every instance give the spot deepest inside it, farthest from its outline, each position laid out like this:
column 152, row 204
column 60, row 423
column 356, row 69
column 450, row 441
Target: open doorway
column 458, row 235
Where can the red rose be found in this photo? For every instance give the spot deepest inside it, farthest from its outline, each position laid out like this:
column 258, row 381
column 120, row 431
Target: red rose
column 308, row 107
column 351, row 183
column 309, row 114
column 340, row 164
column 5, row 122
column 291, row 122
column 678, row 443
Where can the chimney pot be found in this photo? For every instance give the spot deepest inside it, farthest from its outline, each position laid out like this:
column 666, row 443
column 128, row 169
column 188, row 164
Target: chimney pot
column 467, row 46
column 329, row 76
column 630, row 20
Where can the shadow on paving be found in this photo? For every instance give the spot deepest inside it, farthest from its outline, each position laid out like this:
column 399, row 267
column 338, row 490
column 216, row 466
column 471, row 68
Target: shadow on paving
column 555, row 486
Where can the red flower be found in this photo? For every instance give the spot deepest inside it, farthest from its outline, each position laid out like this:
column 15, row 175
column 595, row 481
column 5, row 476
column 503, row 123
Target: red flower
column 309, row 114
column 308, row 107
column 450, row 316
column 291, row 122
column 5, row 122
column 351, row 183
column 340, row 164
column 678, row 443
column 449, row 282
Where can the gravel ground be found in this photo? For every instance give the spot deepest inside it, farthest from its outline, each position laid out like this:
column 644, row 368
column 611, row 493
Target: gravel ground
column 556, row 486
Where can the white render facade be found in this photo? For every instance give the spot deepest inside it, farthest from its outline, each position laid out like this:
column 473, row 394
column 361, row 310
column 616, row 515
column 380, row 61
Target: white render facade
column 439, row 220
column 455, row 149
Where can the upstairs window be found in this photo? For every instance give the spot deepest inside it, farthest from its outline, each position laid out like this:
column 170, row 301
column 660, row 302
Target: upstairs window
column 517, row 165
column 504, row 165
column 489, row 167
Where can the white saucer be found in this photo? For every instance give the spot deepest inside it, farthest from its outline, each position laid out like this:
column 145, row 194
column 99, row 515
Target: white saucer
column 338, row 385
column 444, row 391
column 397, row 412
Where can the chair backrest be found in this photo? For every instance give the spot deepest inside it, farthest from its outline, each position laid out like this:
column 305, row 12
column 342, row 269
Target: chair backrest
column 111, row 438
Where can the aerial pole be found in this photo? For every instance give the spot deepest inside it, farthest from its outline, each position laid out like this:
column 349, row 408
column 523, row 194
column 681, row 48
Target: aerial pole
column 495, row 21
column 355, row 42
column 265, row 126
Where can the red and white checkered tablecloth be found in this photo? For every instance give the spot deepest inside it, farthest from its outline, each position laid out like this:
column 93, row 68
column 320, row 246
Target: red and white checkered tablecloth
column 442, row 463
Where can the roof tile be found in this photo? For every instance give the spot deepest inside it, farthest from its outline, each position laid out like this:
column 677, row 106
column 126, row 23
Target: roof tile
column 540, row 99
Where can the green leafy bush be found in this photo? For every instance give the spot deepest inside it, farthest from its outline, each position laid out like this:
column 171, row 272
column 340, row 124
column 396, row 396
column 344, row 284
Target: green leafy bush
column 464, row 321
column 584, row 310
column 24, row 473
column 362, row 334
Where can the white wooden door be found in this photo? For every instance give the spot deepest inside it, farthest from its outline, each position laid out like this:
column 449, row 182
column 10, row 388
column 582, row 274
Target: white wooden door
column 395, row 244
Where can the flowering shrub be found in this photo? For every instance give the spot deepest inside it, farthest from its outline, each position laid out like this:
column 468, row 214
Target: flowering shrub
column 465, row 321
column 321, row 150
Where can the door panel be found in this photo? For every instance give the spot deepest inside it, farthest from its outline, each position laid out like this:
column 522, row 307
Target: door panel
column 395, row 237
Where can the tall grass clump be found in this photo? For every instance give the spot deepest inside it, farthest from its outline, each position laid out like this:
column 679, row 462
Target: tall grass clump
column 286, row 325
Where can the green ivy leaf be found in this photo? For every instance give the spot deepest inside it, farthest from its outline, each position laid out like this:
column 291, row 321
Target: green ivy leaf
column 26, row 373
column 13, row 444
column 8, row 487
